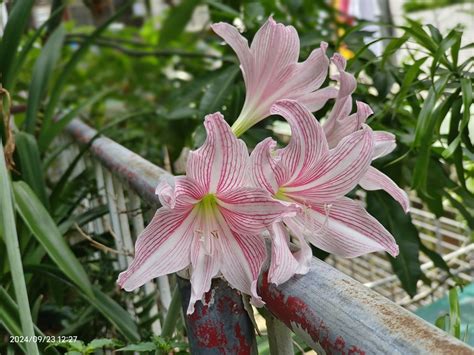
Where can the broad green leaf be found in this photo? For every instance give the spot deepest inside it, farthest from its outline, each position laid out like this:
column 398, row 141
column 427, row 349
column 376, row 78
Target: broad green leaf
column 392, row 47
column 407, row 264
column 42, row 73
column 17, row 22
column 42, row 226
column 10, row 238
column 437, row 259
column 176, row 21
column 31, row 167
column 420, row 36
column 411, row 74
column 49, row 133
column 442, row 322
column 217, row 90
column 58, row 87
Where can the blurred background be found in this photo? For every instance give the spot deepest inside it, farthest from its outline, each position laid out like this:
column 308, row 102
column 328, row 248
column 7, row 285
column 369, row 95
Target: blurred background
column 147, row 72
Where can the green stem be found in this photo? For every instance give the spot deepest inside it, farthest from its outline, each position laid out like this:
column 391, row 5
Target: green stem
column 171, row 318
column 10, row 237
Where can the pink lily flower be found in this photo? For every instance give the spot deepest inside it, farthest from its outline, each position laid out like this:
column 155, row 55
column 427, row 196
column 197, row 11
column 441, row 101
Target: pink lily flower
column 341, row 123
column 314, row 176
column 271, row 71
column 210, row 220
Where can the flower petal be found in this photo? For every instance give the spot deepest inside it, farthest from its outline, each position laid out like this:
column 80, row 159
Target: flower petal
column 242, row 260
column 221, row 162
column 178, row 191
column 384, row 143
column 343, row 228
column 262, row 166
column 284, row 264
column 162, row 248
column 249, row 210
column 315, row 101
column 344, row 125
column 239, row 44
column 339, row 172
column 307, row 145
column 376, row 180
column 205, row 265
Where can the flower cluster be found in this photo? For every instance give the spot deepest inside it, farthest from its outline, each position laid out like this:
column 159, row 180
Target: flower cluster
column 215, row 218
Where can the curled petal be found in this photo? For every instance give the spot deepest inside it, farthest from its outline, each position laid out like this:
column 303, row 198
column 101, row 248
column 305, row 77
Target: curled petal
column 251, row 210
column 205, row 265
column 339, row 172
column 221, row 163
column 343, row 228
column 262, row 166
column 376, row 180
column 308, row 143
column 384, row 143
column 284, row 264
column 162, row 248
column 240, row 46
column 179, row 191
column 315, row 101
column 242, row 260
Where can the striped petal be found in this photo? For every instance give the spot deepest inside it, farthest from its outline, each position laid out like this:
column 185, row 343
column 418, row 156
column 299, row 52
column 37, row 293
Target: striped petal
column 284, row 264
column 262, row 166
column 205, row 263
column 343, row 228
column 221, row 163
column 376, row 180
column 162, row 248
column 385, row 143
column 316, row 100
column 339, row 172
column 178, row 191
column 240, row 45
column 307, row 145
column 242, row 260
column 251, row 210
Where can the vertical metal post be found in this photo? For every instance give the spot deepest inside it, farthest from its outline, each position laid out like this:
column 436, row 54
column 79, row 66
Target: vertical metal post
column 221, row 324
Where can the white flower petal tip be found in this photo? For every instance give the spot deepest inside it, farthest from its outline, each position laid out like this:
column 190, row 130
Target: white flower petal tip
column 339, row 61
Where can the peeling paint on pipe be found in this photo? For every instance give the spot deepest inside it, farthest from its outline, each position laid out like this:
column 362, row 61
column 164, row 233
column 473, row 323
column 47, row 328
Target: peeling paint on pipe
column 220, row 324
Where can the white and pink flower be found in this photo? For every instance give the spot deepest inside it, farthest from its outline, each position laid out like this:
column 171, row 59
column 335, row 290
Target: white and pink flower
column 317, row 178
column 271, row 71
column 210, row 220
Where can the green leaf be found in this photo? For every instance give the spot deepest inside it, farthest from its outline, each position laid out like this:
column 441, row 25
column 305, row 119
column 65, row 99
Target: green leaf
column 442, row 322
column 17, row 22
column 47, row 134
column 31, row 167
column 410, row 76
column 176, row 21
column 100, row 343
column 46, row 232
column 10, row 238
column 466, row 87
column 9, row 316
column 25, row 50
column 457, row 155
column 58, row 87
column 41, row 76
column 454, row 314
column 392, row 47
column 140, row 347
column 218, row 90
column 388, row 212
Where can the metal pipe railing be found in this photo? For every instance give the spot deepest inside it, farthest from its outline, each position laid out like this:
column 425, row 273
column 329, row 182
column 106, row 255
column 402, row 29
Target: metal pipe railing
column 329, row 310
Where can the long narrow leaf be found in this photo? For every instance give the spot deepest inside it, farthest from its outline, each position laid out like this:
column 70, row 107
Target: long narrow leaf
column 46, row 232
column 49, row 133
column 71, row 64
column 42, row 72
column 31, row 167
column 17, row 22
column 10, row 238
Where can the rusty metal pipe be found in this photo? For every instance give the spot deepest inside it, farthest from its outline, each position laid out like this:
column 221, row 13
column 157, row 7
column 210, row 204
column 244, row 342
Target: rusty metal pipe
column 337, row 314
